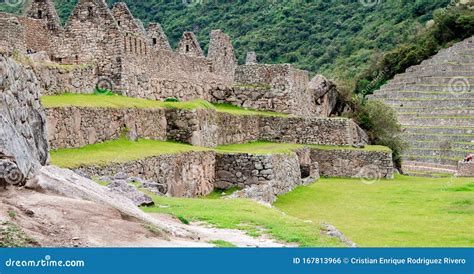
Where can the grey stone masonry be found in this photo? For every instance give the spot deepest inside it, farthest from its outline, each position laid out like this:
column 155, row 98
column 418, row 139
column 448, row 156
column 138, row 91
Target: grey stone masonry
column 353, row 163
column 465, row 169
column 434, row 101
column 76, row 127
column 188, row 174
column 261, row 177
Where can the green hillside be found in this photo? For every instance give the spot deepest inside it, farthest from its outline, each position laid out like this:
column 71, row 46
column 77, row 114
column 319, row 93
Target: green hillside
column 313, row 34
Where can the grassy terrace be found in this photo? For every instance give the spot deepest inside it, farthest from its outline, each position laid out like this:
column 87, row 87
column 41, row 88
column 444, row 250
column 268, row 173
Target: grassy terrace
column 117, row 151
column 117, row 101
column 269, row 147
column 122, row 150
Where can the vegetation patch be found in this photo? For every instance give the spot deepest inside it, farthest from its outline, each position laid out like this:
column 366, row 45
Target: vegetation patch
column 429, row 211
column 235, row 110
column 107, row 99
column 232, row 213
column 11, row 235
column 117, row 151
column 222, row 244
column 262, row 147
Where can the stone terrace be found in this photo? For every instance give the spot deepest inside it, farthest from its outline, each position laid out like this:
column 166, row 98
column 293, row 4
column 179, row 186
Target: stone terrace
column 435, row 105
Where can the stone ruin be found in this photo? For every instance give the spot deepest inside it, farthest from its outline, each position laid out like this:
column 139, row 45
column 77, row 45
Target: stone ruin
column 111, row 44
column 110, row 47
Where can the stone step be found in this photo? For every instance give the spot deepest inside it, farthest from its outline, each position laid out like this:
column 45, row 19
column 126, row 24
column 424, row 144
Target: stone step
column 431, row 160
column 463, row 59
column 402, row 102
column 407, row 94
column 415, row 168
column 436, row 144
column 456, row 88
column 439, row 137
column 436, row 68
column 425, row 165
column 457, row 121
column 429, row 111
column 434, row 80
column 444, row 153
column 435, row 73
column 467, row 132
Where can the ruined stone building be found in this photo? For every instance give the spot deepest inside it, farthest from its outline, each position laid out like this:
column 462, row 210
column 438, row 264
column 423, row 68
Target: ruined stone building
column 140, row 62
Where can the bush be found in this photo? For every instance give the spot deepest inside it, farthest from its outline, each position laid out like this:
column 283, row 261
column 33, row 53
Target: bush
column 376, row 118
column 171, row 99
column 452, row 24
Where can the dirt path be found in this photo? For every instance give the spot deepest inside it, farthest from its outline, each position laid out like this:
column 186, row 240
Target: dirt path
column 57, row 221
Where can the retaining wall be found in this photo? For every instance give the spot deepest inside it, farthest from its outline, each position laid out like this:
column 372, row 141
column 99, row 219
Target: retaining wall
column 353, row 163
column 465, row 169
column 261, row 177
column 188, row 174
column 76, row 127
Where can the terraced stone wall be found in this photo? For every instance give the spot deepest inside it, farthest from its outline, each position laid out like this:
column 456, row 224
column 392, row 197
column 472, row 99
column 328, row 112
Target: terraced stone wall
column 188, row 174
column 69, row 127
column 210, row 128
column 58, row 79
column 76, row 127
column 261, row 177
column 353, row 163
column 434, row 102
column 279, row 88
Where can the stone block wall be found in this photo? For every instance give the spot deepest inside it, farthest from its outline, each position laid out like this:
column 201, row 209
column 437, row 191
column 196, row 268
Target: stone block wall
column 199, row 127
column 279, row 88
column 353, row 163
column 12, row 36
column 38, row 37
column 261, row 177
column 76, row 127
column 188, row 174
column 58, row 79
column 465, row 169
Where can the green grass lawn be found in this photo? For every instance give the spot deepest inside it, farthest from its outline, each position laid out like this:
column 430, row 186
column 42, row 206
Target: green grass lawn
column 246, row 215
column 118, row 151
column 261, row 147
column 405, row 212
column 118, row 101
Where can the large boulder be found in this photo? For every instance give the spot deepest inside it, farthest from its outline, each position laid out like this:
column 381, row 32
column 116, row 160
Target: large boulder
column 325, row 94
column 22, row 119
column 64, row 182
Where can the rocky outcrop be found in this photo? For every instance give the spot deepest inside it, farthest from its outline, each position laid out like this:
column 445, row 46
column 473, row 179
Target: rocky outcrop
column 122, row 187
column 66, row 183
column 22, row 119
column 325, row 95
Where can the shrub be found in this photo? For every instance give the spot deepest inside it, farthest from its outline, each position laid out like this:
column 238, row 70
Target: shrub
column 171, row 99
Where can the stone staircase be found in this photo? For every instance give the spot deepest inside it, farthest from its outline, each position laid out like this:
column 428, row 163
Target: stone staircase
column 435, row 105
